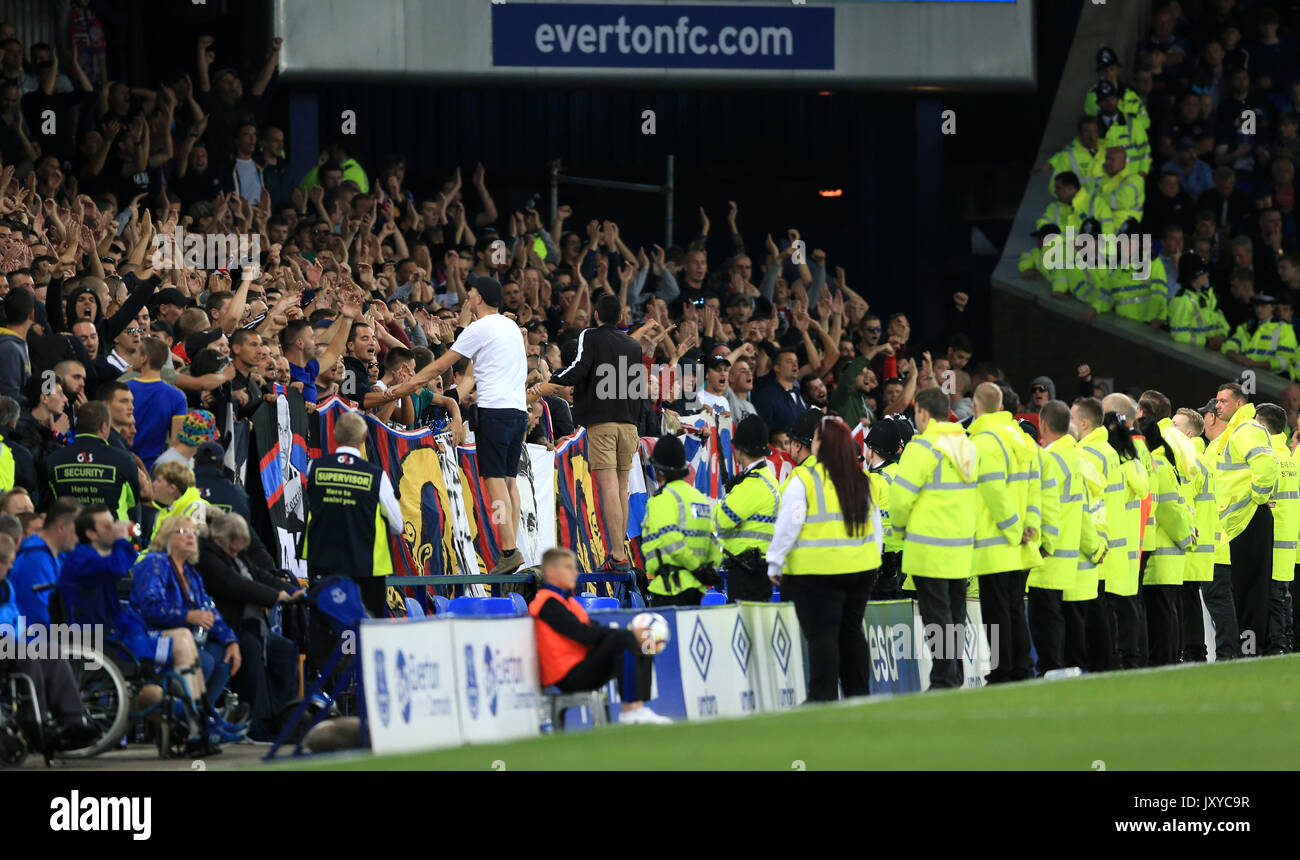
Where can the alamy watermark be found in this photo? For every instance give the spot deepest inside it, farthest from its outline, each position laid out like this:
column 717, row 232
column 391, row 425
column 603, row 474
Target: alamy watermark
column 1074, row 250
column 53, row 642
column 209, row 251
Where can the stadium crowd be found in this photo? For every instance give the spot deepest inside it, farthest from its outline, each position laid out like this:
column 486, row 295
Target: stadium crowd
column 126, row 362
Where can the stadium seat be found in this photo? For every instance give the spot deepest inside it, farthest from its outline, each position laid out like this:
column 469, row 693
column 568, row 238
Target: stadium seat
column 413, row 608
column 480, row 606
column 713, row 598
column 591, row 601
column 440, row 604
column 521, row 605
column 635, row 600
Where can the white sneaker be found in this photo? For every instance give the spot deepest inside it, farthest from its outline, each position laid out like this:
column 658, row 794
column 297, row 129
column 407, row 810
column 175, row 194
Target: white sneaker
column 643, row 715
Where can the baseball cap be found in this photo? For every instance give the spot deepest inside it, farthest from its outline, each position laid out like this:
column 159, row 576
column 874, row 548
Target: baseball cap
column 210, row 452
column 713, row 362
column 172, row 296
column 740, row 300
column 488, row 288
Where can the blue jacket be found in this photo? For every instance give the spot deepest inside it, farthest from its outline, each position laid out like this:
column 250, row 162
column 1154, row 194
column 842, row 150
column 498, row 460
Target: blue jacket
column 777, row 407
column 35, row 564
column 88, row 583
column 10, row 617
column 156, row 594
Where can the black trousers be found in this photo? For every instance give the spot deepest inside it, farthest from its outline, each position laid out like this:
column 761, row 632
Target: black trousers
column 1126, row 626
column 830, row 609
column 1090, row 636
column 1279, row 612
column 267, row 679
column 1163, row 627
column 1047, row 627
column 1223, row 612
column 746, row 582
column 1002, row 605
column 942, row 604
column 689, row 597
column 615, row 656
column 56, row 689
column 1252, row 580
column 889, row 581
column 1192, row 620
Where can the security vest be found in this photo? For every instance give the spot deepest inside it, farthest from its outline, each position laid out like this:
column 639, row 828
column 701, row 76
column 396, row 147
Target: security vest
column 678, row 538
column 1200, row 561
column 1134, row 476
column 1068, row 532
column 1091, row 286
column 1055, row 277
column 882, row 478
column 932, row 502
column 824, row 545
column 1194, row 317
column 1124, row 193
column 1134, row 298
column 190, row 504
column 1245, row 470
column 746, row 517
column 1072, row 214
column 556, row 653
column 7, row 468
column 345, row 530
column 1125, row 132
column 1104, row 477
column 1286, row 511
column 1169, row 535
column 1270, row 341
column 94, row 473
column 1076, row 159
column 1006, row 491
column 1130, row 104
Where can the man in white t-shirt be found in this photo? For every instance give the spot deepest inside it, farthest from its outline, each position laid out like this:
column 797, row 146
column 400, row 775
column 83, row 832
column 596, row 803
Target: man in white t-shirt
column 495, row 347
column 714, row 394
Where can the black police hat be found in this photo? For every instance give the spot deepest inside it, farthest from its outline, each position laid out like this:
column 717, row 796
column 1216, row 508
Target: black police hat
column 1090, row 227
column 884, row 437
column 1046, row 230
column 751, row 436
column 669, row 457
column 1107, row 57
column 1104, row 88
column 1190, row 267
column 805, row 426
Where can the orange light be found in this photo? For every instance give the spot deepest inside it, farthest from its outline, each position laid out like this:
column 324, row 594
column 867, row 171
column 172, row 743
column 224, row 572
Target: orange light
column 824, row 93
column 831, row 192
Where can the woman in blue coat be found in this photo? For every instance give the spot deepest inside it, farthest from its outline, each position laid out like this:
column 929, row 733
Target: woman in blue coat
column 168, row 593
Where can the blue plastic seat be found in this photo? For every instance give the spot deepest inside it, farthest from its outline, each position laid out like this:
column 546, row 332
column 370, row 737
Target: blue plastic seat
column 481, row 606
column 635, row 600
column 413, row 608
column 591, row 601
column 713, row 598
column 521, row 605
column 440, row 604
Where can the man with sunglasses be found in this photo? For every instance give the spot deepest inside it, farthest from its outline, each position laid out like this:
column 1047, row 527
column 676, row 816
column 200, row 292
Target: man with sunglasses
column 1041, row 390
column 125, row 348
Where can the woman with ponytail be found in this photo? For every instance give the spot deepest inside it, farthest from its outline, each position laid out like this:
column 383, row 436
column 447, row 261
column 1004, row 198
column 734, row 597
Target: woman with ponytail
column 824, row 554
column 1122, row 586
column 1168, row 538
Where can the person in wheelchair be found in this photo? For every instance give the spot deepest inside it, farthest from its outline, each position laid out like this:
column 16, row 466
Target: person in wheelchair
column 63, row 721
column 244, row 590
column 169, row 594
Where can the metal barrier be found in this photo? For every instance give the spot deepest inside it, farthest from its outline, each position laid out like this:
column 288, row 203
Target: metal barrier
column 667, row 190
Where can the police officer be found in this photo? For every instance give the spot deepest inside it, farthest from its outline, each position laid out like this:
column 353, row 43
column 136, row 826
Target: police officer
column 347, row 498
column 677, row 533
column 932, row 504
column 801, row 435
column 746, row 515
column 1194, row 315
column 824, row 553
column 884, row 444
column 94, row 472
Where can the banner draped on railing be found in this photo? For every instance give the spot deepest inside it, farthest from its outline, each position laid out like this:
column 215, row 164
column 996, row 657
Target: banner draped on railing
column 279, row 440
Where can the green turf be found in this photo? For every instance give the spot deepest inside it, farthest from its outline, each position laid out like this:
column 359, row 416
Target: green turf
column 1236, row 716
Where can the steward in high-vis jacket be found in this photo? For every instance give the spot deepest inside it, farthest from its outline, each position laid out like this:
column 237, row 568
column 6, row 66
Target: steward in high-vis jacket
column 1099, row 464
column 1008, row 515
column 1069, row 536
column 1246, row 472
column 1169, row 538
column 745, row 517
column 1286, row 524
column 932, row 503
column 677, row 533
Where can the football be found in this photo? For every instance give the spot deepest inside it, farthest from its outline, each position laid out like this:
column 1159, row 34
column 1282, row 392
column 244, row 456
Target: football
column 658, row 629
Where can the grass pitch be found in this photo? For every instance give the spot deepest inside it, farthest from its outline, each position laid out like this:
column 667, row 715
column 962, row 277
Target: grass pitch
column 1234, row 716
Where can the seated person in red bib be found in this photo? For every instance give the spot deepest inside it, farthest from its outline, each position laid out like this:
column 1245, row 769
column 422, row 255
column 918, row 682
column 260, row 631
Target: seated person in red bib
column 577, row 654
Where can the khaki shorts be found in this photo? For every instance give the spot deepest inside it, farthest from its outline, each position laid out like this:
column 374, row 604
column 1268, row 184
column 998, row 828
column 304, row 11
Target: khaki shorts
column 610, row 445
